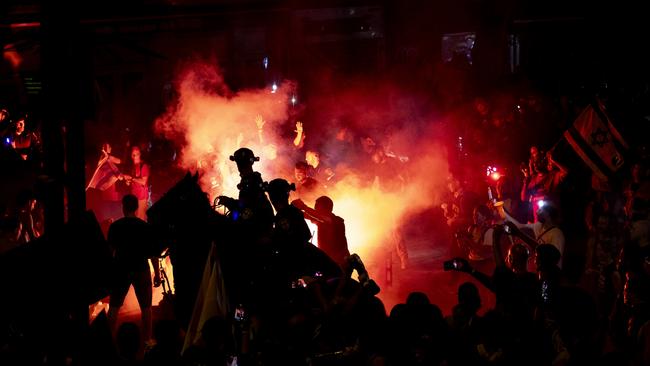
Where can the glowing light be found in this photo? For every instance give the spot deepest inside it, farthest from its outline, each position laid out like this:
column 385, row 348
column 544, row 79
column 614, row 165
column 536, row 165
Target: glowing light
column 541, row 203
column 294, row 100
column 495, row 175
column 265, row 62
column 274, row 88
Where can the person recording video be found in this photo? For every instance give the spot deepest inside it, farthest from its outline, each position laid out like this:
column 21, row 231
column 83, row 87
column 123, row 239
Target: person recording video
column 516, row 289
column 546, row 230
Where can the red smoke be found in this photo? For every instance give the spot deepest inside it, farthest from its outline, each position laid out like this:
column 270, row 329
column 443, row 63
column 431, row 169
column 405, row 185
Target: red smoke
column 209, row 122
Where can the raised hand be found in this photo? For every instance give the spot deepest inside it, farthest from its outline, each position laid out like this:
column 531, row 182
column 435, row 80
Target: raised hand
column 259, row 121
column 299, row 128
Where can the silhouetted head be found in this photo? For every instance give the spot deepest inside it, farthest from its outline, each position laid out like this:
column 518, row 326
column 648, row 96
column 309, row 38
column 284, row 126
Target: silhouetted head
column 244, row 158
column 417, row 298
column 278, row 190
column 547, row 257
column 548, row 212
column 128, row 340
column 518, row 257
column 129, row 204
column 482, row 215
column 469, row 297
column 324, row 204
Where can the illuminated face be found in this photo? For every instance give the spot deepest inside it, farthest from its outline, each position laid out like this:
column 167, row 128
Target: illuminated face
column 312, row 158
column 135, row 155
column 300, row 174
column 20, row 127
column 534, row 153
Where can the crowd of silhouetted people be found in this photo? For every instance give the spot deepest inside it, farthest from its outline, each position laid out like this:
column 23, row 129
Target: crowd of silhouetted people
column 567, row 258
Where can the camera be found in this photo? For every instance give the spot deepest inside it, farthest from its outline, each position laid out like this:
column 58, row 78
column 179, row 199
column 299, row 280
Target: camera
column 451, row 265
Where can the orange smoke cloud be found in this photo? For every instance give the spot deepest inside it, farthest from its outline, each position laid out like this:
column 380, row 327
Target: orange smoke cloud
column 374, row 214
column 210, row 122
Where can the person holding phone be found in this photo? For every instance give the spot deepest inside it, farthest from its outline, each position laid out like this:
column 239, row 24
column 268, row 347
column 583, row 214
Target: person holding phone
column 516, row 289
column 546, row 230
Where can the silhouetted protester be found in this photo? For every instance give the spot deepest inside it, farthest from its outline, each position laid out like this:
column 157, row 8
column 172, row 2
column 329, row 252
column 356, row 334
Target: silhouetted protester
column 517, row 294
column 98, row 345
column 252, row 208
column 128, row 344
column 331, row 228
column 464, row 324
column 133, row 243
column 546, row 228
column 252, row 217
column 516, row 289
column 420, row 334
column 290, row 231
column 216, row 347
column 547, row 259
column 167, row 350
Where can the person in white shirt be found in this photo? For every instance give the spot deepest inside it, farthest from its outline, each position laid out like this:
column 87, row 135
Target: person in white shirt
column 546, row 228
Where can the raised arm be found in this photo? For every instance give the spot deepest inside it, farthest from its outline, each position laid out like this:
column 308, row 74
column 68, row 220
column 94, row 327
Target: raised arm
column 299, row 140
column 259, row 121
column 310, row 213
column 515, row 230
